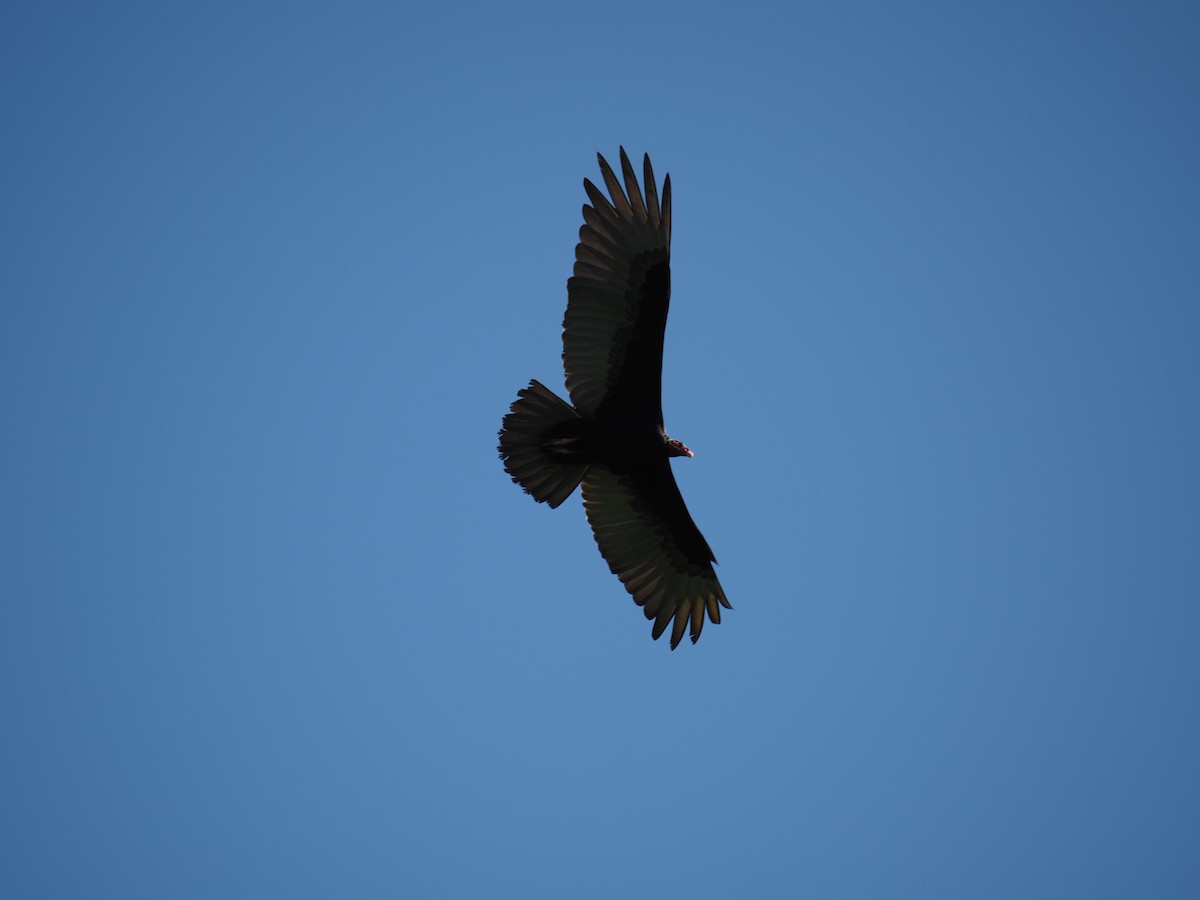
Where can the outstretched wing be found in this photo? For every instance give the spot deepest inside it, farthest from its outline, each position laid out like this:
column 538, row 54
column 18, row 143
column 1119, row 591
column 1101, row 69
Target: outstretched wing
column 618, row 296
column 651, row 543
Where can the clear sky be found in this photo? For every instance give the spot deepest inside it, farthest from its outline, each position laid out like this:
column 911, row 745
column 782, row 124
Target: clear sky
column 276, row 623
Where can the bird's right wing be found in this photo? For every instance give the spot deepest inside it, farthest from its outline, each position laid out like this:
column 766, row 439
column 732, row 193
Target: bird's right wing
column 618, row 296
column 651, row 543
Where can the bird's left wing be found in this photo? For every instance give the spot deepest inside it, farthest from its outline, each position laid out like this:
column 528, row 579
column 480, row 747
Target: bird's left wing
column 651, row 543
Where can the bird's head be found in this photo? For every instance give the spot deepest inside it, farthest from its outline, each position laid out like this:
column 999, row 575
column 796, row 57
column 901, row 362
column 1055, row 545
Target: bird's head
column 677, row 448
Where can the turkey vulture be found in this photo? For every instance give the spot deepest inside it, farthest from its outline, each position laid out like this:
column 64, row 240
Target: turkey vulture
column 612, row 441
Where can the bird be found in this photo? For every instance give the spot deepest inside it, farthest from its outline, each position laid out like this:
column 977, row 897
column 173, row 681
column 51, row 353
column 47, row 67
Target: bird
column 610, row 438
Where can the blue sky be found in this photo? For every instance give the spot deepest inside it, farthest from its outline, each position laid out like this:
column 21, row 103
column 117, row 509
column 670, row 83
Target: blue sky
column 276, row 624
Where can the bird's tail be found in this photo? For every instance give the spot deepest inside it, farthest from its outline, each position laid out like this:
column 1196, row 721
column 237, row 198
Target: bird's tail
column 523, row 447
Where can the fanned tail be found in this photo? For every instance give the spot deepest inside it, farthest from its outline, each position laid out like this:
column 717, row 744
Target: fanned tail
column 523, row 450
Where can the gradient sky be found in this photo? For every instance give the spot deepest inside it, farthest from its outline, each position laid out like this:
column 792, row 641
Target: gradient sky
column 276, row 623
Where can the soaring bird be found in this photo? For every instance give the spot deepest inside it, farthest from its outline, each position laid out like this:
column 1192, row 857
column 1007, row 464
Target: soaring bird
column 612, row 440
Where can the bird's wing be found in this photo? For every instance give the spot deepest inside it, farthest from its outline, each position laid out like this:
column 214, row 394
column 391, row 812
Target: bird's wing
column 617, row 297
column 651, row 543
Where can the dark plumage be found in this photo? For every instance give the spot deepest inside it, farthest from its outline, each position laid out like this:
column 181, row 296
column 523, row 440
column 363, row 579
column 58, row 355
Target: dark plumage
column 612, row 440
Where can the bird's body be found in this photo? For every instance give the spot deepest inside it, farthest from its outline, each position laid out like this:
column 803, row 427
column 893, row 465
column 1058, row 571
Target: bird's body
column 612, row 441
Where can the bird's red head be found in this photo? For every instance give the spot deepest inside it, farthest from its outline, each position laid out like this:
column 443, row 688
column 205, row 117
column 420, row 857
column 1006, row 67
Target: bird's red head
column 677, row 448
